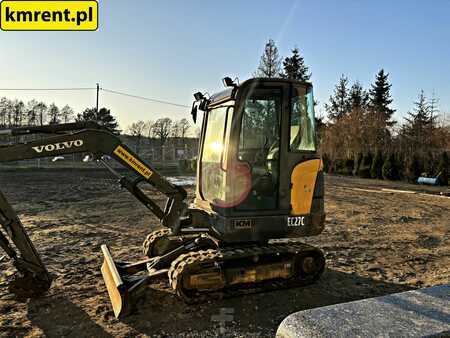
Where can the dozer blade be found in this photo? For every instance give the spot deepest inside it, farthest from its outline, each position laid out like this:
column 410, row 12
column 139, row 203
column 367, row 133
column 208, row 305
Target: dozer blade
column 125, row 282
column 117, row 290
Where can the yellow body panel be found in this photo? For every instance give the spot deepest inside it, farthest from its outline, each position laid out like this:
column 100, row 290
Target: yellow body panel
column 303, row 181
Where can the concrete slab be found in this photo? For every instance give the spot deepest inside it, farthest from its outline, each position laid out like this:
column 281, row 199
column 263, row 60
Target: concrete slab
column 419, row 313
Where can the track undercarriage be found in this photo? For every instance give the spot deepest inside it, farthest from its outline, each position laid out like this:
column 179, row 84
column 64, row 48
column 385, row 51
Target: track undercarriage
column 232, row 271
column 199, row 269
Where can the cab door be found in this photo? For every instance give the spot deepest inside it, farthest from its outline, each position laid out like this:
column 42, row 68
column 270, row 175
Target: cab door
column 302, row 164
column 260, row 141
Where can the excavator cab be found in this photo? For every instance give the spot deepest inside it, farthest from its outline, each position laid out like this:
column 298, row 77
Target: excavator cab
column 259, row 173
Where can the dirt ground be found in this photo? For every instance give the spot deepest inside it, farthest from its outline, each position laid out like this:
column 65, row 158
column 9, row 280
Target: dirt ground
column 376, row 242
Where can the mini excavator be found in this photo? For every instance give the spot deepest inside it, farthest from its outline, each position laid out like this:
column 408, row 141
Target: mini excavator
column 260, row 187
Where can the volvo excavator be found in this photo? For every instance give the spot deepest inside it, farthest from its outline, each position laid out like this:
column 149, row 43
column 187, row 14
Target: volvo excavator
column 260, row 187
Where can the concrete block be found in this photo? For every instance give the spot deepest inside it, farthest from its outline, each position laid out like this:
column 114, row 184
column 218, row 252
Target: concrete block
column 419, row 313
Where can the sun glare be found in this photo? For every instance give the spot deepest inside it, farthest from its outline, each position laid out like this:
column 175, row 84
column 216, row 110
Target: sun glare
column 216, row 147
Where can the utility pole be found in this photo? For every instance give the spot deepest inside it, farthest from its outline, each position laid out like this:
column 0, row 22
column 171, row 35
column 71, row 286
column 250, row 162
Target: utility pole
column 98, row 89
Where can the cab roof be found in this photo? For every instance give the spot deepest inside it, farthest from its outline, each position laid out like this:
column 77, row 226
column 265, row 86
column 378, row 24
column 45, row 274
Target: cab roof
column 230, row 92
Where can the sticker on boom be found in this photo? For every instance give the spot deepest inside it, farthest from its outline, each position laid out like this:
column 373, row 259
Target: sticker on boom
column 133, row 161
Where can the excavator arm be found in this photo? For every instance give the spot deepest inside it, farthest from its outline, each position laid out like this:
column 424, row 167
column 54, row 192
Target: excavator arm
column 63, row 139
column 34, row 278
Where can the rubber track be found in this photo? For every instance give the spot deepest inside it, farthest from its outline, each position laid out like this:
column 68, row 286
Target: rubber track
column 210, row 258
column 147, row 246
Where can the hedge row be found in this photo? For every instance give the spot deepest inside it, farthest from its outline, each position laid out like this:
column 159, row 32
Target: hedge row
column 408, row 167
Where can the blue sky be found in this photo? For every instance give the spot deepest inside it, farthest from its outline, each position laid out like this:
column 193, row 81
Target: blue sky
column 170, row 49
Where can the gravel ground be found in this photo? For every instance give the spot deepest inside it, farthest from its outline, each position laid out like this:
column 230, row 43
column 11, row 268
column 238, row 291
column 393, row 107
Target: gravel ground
column 376, row 242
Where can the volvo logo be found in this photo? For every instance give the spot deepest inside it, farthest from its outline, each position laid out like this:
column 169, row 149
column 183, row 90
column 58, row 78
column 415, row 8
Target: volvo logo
column 58, row 146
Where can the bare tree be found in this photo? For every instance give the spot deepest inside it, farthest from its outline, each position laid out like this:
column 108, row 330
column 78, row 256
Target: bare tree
column 180, row 129
column 67, row 113
column 41, row 109
column 197, row 132
column 137, row 129
column 5, row 108
column 18, row 112
column 184, row 126
column 31, row 112
column 176, row 131
column 149, row 128
column 162, row 129
column 54, row 114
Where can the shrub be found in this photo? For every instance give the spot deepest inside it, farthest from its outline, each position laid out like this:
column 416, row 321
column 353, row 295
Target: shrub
column 390, row 168
column 357, row 163
column 349, row 164
column 443, row 169
column 326, row 163
column 413, row 168
column 364, row 168
column 429, row 164
column 377, row 165
column 401, row 164
column 339, row 166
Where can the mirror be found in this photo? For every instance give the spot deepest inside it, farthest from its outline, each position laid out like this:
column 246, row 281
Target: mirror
column 194, row 112
column 198, row 96
column 227, row 82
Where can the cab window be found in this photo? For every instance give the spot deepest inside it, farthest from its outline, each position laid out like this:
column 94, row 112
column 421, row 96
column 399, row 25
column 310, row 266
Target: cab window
column 212, row 175
column 302, row 130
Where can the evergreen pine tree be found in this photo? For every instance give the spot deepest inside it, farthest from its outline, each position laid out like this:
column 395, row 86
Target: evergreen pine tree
column 269, row 65
column 380, row 97
column 294, row 67
column 104, row 117
column 434, row 109
column 339, row 105
column 358, row 97
column 416, row 129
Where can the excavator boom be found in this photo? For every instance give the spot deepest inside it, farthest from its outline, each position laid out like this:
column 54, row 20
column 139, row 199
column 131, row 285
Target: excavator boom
column 63, row 139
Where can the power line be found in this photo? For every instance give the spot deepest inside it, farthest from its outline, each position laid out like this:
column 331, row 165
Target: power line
column 46, row 89
column 103, row 89
column 144, row 98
